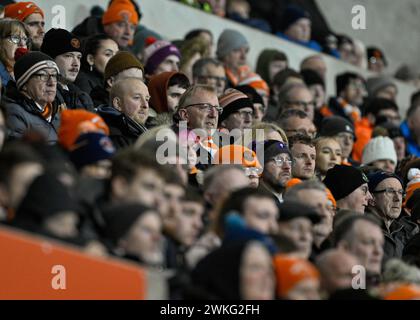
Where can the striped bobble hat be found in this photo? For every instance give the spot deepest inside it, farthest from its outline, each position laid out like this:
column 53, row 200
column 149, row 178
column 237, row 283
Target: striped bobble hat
column 233, row 100
column 31, row 63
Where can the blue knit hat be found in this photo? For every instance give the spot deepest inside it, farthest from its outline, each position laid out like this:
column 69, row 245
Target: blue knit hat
column 90, row 148
column 292, row 14
column 377, row 177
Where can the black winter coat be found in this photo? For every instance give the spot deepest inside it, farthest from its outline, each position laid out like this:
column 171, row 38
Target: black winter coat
column 123, row 130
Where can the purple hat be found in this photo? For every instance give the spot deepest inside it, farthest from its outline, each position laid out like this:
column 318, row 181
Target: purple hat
column 156, row 52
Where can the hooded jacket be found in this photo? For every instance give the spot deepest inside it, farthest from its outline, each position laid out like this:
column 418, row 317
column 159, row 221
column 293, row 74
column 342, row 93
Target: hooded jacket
column 158, row 86
column 45, row 198
column 217, row 276
column 123, row 131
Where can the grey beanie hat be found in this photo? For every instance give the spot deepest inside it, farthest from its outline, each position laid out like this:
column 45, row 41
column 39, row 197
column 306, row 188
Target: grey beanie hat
column 230, row 40
column 378, row 83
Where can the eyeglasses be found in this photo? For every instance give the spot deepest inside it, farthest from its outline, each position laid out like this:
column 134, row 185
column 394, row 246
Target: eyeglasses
column 17, row 39
column 45, row 76
column 245, row 114
column 390, row 192
column 281, row 161
column 305, row 105
column 292, row 132
column 253, row 171
column 214, row 78
column 205, row 106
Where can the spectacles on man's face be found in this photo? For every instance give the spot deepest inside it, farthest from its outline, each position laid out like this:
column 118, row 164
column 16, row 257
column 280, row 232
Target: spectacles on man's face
column 244, row 114
column 214, row 78
column 17, row 39
column 253, row 171
column 46, row 77
column 279, row 161
column 302, row 104
column 205, row 107
column 308, row 133
column 390, row 192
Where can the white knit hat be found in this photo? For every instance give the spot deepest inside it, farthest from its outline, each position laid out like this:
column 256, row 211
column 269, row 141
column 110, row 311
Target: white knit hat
column 379, row 148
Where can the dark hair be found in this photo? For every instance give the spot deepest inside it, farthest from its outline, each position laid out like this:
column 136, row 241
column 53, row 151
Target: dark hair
column 196, row 32
column 343, row 39
column 128, row 161
column 13, row 154
column 343, row 80
column 235, row 203
column 378, row 104
column 281, row 77
column 91, row 46
column 179, row 79
column 300, row 138
column 346, row 225
column 192, row 194
column 200, row 64
column 414, row 103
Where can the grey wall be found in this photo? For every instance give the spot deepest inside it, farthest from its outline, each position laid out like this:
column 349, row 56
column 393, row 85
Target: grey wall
column 390, row 24
column 173, row 20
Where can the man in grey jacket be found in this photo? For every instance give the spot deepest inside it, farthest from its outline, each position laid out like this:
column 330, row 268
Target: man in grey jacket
column 32, row 105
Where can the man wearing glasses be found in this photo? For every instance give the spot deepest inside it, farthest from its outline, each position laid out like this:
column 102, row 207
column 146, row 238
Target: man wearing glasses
column 210, row 71
column 238, row 111
column 386, row 205
column 298, row 97
column 199, row 110
column 33, row 105
column 277, row 167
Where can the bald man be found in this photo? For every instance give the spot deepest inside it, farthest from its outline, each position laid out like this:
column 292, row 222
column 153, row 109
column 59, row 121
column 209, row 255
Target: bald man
column 131, row 97
column 127, row 112
column 335, row 267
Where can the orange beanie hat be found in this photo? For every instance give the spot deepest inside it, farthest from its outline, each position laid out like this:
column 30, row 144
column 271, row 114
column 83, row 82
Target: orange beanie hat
column 120, row 10
column 237, row 154
column 404, row 292
column 21, row 10
column 292, row 182
column 290, row 271
column 76, row 122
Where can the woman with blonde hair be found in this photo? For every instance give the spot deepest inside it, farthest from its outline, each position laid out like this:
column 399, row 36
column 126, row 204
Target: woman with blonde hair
column 328, row 154
column 263, row 131
column 13, row 35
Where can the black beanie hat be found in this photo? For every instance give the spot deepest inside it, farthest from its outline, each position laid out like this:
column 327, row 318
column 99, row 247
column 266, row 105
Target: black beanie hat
column 218, row 274
column 120, row 218
column 271, row 149
column 251, row 93
column 59, row 41
column 29, row 64
column 46, row 196
column 343, row 180
column 291, row 14
column 334, row 125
